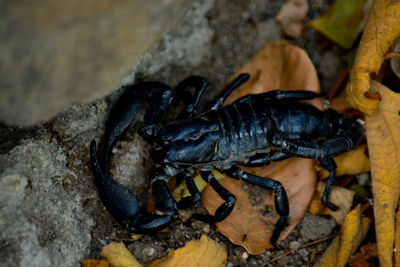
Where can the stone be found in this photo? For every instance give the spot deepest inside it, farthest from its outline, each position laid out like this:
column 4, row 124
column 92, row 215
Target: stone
column 41, row 222
column 58, row 53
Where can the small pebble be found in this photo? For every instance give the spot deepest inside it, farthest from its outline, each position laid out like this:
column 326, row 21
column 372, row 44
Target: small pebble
column 294, row 245
column 149, row 251
column 303, row 252
column 245, row 255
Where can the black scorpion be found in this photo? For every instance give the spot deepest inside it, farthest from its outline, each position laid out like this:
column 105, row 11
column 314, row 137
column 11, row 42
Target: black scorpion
column 253, row 131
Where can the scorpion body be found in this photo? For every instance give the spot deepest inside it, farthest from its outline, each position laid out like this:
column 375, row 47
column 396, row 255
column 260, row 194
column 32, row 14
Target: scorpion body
column 253, row 131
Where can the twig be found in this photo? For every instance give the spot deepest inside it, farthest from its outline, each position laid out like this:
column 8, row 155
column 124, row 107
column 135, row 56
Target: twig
column 391, row 55
column 302, row 246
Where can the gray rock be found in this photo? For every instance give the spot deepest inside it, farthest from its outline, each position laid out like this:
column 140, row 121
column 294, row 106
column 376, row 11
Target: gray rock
column 57, row 53
column 315, row 227
column 41, row 223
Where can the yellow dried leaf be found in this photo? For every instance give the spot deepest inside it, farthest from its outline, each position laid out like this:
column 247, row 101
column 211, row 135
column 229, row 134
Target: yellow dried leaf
column 353, row 232
column 350, row 163
column 196, row 253
column 383, row 137
column 96, row 263
column 382, row 28
column 119, row 256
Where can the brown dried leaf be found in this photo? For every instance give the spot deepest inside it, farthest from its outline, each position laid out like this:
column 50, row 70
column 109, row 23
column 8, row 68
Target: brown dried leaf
column 96, row 263
column 196, row 253
column 254, row 217
column 119, row 256
column 358, row 260
column 383, row 137
column 291, row 17
column 278, row 65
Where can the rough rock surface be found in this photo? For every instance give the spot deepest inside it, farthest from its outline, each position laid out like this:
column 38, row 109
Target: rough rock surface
column 57, row 53
column 42, row 223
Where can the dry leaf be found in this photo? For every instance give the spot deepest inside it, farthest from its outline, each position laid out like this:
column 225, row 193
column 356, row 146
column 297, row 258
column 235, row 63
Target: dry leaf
column 353, row 232
column 254, row 217
column 119, row 256
column 383, row 137
column 278, row 65
column 341, row 197
column 350, row 163
column 382, row 28
column 96, row 263
column 343, row 22
column 358, row 260
column 291, row 17
column 196, row 253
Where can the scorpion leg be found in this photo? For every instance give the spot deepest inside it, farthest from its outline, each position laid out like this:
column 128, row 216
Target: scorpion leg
column 190, row 99
column 316, row 150
column 242, row 78
column 225, row 208
column 281, row 199
column 164, row 203
column 329, row 165
column 187, row 202
column 323, row 153
column 263, row 159
column 280, row 95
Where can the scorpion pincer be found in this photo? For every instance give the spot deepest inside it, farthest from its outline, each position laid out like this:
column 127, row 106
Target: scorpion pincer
column 253, row 131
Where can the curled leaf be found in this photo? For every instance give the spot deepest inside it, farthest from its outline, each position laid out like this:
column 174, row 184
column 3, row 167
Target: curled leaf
column 382, row 28
column 383, row 137
column 119, row 256
column 353, row 232
column 196, row 253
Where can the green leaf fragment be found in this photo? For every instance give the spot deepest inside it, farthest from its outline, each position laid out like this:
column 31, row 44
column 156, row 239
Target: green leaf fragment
column 343, row 22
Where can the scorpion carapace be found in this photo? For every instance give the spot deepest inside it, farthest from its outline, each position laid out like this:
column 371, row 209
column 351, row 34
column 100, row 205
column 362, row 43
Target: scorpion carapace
column 253, row 131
